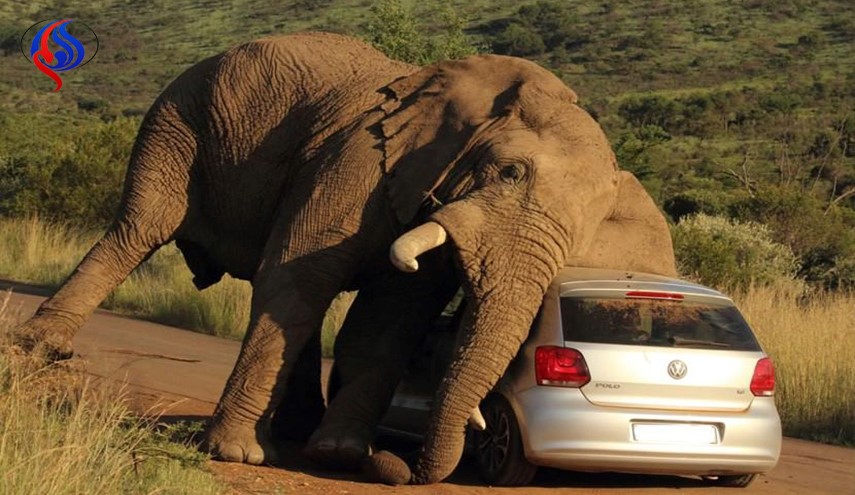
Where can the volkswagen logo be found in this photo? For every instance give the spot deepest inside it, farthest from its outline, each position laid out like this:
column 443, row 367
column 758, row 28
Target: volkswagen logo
column 677, row 369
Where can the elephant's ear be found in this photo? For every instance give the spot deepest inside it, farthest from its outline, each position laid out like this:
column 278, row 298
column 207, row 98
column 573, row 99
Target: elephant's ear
column 424, row 134
column 634, row 237
column 431, row 117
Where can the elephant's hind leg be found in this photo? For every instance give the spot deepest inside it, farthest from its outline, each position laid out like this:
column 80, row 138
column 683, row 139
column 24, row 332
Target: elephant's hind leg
column 386, row 323
column 302, row 407
column 153, row 206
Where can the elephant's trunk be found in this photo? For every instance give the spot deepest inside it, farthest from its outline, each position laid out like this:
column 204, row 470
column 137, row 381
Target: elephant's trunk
column 506, row 278
column 491, row 338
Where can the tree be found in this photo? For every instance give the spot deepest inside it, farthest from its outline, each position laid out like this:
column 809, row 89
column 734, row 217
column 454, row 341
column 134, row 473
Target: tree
column 650, row 110
column 822, row 237
column 537, row 28
column 519, row 40
column 632, row 146
column 395, row 31
column 553, row 21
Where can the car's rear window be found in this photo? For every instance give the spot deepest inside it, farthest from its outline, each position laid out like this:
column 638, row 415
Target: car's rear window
column 653, row 322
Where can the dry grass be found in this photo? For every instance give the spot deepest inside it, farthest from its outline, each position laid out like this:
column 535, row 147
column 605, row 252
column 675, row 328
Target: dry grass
column 61, row 435
column 43, row 253
column 39, row 252
column 161, row 290
column 811, row 339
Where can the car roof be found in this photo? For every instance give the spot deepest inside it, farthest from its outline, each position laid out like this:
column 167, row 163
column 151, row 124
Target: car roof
column 570, row 278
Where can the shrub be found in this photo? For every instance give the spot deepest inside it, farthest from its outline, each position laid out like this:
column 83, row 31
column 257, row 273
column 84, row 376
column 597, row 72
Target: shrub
column 699, row 114
column 729, row 254
column 72, row 177
column 656, row 110
column 91, row 104
column 554, row 22
column 10, row 37
column 519, row 40
column 395, row 32
column 780, row 101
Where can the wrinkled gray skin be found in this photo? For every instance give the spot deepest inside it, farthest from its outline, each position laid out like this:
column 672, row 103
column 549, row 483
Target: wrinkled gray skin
column 295, row 162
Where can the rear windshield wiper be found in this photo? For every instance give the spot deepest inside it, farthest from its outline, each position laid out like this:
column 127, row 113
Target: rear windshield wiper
column 680, row 342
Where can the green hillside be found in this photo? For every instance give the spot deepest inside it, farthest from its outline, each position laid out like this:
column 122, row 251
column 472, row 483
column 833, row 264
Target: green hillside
column 737, row 109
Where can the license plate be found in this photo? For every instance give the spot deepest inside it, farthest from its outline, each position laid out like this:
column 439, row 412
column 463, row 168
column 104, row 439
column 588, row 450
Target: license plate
column 679, row 433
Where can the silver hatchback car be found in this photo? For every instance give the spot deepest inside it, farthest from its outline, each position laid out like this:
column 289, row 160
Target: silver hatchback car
column 625, row 372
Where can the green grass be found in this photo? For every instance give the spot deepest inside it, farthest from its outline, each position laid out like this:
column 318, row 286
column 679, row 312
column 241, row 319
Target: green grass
column 743, row 53
column 61, row 435
column 638, row 45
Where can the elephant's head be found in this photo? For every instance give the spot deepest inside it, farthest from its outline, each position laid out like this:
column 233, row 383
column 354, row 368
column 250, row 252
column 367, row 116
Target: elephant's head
column 493, row 154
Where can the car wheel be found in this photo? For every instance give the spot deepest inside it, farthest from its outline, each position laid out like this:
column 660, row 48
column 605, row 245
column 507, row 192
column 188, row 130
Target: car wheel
column 498, row 449
column 734, row 481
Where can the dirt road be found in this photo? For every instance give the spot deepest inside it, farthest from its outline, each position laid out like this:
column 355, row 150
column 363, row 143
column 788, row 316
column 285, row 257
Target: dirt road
column 182, row 374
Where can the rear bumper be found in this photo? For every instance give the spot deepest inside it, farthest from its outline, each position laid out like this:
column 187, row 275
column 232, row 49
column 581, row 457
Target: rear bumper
column 561, row 429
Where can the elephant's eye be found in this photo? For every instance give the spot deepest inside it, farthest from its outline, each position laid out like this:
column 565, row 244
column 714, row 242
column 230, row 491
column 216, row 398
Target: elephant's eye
column 511, row 173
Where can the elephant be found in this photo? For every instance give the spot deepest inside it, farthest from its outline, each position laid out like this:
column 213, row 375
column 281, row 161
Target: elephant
column 311, row 164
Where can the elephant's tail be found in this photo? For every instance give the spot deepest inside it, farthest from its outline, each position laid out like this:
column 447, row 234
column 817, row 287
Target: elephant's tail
column 386, row 467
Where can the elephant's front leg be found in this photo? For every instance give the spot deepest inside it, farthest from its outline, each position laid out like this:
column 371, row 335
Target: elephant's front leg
column 386, row 323
column 285, row 316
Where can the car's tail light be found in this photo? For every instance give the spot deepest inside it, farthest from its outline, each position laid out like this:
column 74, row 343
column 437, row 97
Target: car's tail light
column 649, row 294
column 763, row 381
column 560, row 367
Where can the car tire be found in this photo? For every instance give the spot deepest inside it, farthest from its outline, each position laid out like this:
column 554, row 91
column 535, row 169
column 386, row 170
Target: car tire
column 498, row 449
column 732, row 481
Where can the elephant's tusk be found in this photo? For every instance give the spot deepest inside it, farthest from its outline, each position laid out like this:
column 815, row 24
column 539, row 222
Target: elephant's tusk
column 421, row 239
column 476, row 420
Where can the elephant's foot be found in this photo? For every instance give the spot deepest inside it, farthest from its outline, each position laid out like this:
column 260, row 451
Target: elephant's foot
column 339, row 448
column 45, row 337
column 242, row 443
